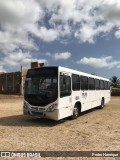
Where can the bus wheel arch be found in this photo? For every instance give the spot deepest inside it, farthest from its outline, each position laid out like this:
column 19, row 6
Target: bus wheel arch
column 76, row 110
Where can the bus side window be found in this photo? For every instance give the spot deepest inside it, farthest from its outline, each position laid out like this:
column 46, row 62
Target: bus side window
column 106, row 85
column 97, row 84
column 84, row 83
column 75, row 82
column 102, row 87
column 65, row 86
column 91, row 84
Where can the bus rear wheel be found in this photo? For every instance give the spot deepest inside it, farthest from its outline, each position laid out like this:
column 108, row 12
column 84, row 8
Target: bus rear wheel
column 102, row 104
column 76, row 112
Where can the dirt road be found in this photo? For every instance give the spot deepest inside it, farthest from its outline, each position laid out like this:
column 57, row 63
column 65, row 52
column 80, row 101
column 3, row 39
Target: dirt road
column 94, row 130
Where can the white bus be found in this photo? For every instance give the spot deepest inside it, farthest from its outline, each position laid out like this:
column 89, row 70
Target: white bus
column 59, row 92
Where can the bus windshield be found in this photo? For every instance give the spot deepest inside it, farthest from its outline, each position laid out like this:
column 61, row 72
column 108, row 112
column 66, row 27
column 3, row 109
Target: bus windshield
column 41, row 89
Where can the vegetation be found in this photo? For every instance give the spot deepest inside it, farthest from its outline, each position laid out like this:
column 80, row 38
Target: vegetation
column 115, row 82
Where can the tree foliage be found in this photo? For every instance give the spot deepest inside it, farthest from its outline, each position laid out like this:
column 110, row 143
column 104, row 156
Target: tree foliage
column 115, row 81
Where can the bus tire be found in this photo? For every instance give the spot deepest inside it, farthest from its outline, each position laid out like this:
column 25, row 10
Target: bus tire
column 102, row 104
column 76, row 112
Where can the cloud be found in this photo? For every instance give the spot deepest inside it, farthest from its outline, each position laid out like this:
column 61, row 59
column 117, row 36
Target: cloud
column 15, row 59
column 24, row 21
column 117, row 34
column 47, row 35
column 103, row 62
column 84, row 21
column 85, row 33
column 54, row 20
column 11, row 41
column 16, row 19
column 19, row 12
column 2, row 69
column 111, row 11
column 48, row 54
column 59, row 56
column 118, row 66
column 62, row 56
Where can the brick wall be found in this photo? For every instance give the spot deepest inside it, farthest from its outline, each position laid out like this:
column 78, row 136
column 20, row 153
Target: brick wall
column 10, row 83
column 23, row 74
column 13, row 83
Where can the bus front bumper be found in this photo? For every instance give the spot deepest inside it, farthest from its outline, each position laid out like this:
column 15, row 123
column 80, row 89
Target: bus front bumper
column 40, row 114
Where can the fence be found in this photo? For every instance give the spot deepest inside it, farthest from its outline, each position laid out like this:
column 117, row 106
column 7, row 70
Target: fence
column 115, row 92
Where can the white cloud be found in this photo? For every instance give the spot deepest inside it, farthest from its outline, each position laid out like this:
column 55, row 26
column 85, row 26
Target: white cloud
column 86, row 33
column 47, row 35
column 85, row 21
column 117, row 34
column 19, row 12
column 16, row 17
column 48, row 54
column 2, row 69
column 11, row 41
column 22, row 21
column 15, row 59
column 59, row 56
column 111, row 11
column 118, row 66
column 79, row 18
column 103, row 62
column 62, row 56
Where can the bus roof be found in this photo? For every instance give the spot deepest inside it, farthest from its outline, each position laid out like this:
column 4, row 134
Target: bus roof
column 81, row 73
column 69, row 70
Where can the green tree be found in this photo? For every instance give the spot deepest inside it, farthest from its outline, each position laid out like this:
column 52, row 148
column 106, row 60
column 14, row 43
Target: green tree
column 114, row 81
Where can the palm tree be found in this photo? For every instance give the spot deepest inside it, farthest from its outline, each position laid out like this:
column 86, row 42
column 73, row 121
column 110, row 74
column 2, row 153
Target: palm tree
column 114, row 81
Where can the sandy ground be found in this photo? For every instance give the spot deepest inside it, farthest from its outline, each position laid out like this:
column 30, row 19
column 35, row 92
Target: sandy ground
column 95, row 130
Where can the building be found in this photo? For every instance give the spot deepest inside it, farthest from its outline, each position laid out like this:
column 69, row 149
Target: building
column 10, row 83
column 13, row 82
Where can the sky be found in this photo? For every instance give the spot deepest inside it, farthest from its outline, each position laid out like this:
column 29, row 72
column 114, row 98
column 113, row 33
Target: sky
column 78, row 34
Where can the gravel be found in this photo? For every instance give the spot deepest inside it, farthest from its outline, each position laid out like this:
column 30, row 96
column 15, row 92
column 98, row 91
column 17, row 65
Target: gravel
column 94, row 130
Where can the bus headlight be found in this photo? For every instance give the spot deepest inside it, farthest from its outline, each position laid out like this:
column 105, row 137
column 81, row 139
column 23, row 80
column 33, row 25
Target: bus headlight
column 52, row 108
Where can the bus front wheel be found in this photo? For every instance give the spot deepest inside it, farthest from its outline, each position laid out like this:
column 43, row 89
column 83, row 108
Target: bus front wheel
column 76, row 112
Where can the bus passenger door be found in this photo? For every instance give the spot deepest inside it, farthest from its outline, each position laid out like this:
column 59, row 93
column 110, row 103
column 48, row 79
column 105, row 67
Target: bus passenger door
column 85, row 100
column 65, row 100
column 84, row 93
